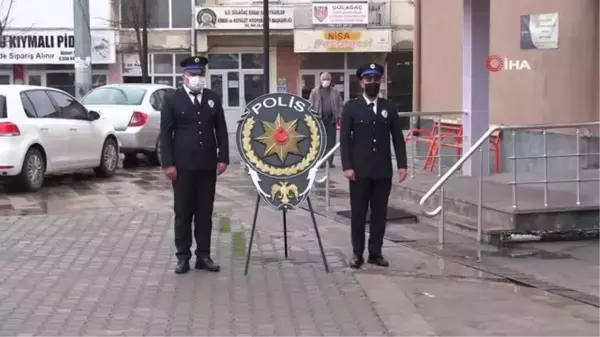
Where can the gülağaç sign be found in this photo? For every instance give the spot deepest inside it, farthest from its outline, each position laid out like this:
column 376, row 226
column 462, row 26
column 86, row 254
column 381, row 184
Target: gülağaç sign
column 56, row 47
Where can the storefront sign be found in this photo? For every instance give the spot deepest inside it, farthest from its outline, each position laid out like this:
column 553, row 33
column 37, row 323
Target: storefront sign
column 342, row 41
column 131, row 65
column 242, row 18
column 55, row 47
column 343, row 14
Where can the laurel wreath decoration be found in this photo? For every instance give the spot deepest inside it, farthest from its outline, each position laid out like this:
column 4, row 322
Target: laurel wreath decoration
column 263, row 167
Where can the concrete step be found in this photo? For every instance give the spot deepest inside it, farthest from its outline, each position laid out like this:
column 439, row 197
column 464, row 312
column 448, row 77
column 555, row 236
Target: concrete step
column 499, row 217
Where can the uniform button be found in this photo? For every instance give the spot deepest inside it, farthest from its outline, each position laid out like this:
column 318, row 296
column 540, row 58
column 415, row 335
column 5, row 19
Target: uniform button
column 374, row 150
column 199, row 122
column 200, row 132
column 374, row 140
column 200, row 143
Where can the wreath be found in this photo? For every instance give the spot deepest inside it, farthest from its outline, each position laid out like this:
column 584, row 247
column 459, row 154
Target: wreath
column 263, row 167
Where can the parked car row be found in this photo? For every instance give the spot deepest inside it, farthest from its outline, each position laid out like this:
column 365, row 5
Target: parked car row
column 47, row 131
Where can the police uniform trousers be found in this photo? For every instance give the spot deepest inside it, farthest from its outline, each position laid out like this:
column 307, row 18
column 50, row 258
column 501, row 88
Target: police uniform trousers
column 194, row 192
column 365, row 193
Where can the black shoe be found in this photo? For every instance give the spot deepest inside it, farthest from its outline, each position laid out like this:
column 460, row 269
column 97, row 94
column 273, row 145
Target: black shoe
column 207, row 263
column 182, row 267
column 332, row 165
column 356, row 262
column 378, row 260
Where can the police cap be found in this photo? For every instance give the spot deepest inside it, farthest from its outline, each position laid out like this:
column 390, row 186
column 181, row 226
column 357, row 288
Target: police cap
column 369, row 69
column 194, row 63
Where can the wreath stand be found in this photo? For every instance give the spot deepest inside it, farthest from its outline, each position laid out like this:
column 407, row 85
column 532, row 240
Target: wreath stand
column 284, row 211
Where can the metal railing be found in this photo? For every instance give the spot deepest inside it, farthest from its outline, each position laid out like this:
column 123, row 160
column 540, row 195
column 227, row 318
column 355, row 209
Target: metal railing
column 477, row 146
column 413, row 158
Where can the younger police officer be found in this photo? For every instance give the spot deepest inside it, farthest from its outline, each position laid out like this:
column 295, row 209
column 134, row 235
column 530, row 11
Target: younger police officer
column 195, row 150
column 367, row 123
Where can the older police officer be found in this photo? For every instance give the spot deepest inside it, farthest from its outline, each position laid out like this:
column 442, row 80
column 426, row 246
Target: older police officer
column 194, row 149
column 367, row 123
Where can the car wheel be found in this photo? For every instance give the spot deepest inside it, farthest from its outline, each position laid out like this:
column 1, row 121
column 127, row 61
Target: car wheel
column 109, row 159
column 154, row 157
column 32, row 174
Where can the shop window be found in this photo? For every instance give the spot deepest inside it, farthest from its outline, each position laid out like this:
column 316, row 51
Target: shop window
column 178, row 59
column 322, row 61
column 158, row 13
column 223, row 61
column 180, row 14
column 162, row 64
column 253, row 61
column 164, row 80
column 98, row 80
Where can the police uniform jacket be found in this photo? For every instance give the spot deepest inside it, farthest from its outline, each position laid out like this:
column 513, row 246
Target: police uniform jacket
column 365, row 138
column 192, row 138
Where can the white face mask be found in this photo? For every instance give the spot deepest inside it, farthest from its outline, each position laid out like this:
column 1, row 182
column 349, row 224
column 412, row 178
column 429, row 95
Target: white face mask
column 196, row 83
column 325, row 84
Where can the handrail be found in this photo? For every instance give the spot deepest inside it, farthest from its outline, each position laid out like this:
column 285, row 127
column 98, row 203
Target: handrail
column 479, row 143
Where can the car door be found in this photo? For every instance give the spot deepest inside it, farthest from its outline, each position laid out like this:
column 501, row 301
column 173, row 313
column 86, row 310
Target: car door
column 85, row 139
column 54, row 135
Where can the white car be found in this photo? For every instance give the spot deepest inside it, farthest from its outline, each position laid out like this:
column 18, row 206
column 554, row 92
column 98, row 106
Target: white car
column 47, row 131
column 134, row 110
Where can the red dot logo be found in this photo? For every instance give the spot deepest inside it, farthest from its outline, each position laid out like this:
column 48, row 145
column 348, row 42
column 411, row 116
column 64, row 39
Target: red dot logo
column 494, row 63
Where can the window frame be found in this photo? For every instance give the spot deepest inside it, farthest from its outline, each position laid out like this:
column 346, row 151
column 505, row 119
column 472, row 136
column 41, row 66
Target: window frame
column 170, row 13
column 45, row 92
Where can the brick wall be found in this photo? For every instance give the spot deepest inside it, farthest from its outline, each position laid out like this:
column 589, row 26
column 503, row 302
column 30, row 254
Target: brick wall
column 288, row 67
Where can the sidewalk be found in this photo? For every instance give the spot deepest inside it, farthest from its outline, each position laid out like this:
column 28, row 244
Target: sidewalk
column 109, row 272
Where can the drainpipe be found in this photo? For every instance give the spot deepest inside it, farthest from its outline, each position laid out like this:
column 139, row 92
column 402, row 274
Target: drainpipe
column 416, row 98
column 193, row 30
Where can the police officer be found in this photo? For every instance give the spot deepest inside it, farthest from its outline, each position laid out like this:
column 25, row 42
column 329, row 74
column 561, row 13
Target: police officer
column 367, row 124
column 195, row 149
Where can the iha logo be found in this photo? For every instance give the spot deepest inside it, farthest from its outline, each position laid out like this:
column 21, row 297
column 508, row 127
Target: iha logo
column 496, row 63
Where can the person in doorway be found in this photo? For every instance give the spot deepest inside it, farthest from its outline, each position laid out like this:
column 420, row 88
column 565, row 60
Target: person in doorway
column 367, row 123
column 328, row 103
column 194, row 151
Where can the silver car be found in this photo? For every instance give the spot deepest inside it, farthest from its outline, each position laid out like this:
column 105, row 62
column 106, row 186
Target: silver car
column 134, row 110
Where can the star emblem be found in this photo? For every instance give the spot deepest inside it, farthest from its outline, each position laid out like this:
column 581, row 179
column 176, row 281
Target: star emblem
column 280, row 138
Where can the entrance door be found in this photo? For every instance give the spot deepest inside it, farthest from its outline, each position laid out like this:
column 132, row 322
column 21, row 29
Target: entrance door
column 227, row 83
column 309, row 79
column 35, row 78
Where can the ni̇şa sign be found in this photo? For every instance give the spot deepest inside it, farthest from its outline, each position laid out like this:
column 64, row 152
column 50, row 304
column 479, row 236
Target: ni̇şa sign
column 26, row 47
column 281, row 140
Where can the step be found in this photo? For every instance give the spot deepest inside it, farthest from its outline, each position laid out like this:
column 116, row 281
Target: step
column 498, row 214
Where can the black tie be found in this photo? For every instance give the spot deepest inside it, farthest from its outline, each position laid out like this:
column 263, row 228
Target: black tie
column 371, row 106
column 196, row 102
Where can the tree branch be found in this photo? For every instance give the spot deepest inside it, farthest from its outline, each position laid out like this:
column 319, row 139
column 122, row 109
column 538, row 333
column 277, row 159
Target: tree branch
column 5, row 19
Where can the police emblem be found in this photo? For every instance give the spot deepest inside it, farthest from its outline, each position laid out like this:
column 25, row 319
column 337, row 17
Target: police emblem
column 280, row 139
column 384, row 113
column 211, row 103
column 321, row 13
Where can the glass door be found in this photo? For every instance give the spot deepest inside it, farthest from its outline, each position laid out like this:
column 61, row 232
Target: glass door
column 35, row 78
column 309, row 79
column 253, row 85
column 227, row 84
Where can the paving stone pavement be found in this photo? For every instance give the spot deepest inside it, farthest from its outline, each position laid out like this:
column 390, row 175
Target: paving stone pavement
column 107, row 270
column 111, row 274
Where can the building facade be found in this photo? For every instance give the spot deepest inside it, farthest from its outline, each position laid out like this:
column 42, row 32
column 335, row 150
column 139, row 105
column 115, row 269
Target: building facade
column 37, row 45
column 307, row 38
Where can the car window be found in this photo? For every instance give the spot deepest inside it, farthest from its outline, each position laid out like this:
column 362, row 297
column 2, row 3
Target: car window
column 115, row 96
column 156, row 101
column 44, row 107
column 69, row 107
column 28, row 106
column 3, row 112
